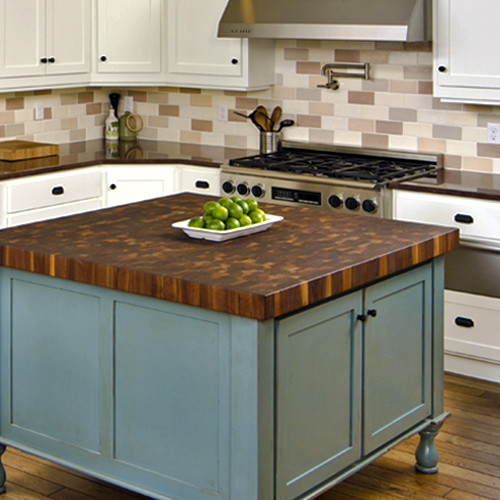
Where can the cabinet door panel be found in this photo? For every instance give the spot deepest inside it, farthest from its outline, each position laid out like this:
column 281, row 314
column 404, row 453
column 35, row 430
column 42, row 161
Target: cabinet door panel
column 129, row 36
column 319, row 393
column 23, row 37
column 397, row 356
column 193, row 46
column 68, row 30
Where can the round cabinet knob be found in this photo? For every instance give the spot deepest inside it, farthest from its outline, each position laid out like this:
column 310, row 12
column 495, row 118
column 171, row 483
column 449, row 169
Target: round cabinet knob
column 103, row 58
column 243, row 189
column 228, row 187
column 369, row 206
column 442, row 69
column 112, row 186
column 372, row 312
column 44, row 60
column 335, row 201
column 52, row 59
column 351, row 203
column 234, row 61
column 258, row 191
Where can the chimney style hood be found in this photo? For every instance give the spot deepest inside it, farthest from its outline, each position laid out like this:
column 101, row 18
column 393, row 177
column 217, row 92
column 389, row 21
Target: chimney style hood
column 375, row 20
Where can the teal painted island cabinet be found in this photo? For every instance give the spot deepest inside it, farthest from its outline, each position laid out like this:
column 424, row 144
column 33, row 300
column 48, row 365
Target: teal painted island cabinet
column 271, row 366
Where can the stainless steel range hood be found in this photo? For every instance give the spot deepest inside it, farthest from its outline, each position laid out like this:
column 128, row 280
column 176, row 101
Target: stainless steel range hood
column 388, row 20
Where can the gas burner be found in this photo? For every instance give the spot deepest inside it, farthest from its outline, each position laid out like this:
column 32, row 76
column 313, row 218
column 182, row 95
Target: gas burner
column 363, row 168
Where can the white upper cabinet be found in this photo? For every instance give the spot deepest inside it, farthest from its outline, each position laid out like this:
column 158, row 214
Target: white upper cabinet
column 197, row 58
column 128, row 40
column 466, row 67
column 43, row 38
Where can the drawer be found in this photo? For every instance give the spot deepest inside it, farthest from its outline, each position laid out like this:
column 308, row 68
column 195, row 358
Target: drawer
column 478, row 220
column 48, row 190
column 471, row 325
column 203, row 180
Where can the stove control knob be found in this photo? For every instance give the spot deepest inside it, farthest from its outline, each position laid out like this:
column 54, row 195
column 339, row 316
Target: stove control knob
column 369, row 206
column 243, row 189
column 335, row 201
column 258, row 191
column 228, row 187
column 351, row 203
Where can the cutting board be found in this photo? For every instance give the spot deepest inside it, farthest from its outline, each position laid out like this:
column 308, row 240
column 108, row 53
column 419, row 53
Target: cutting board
column 23, row 150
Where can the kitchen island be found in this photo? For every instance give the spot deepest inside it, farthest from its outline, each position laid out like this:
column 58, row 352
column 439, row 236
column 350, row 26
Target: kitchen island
column 269, row 366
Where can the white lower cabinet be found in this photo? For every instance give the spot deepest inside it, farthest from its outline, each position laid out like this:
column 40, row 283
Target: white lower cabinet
column 201, row 180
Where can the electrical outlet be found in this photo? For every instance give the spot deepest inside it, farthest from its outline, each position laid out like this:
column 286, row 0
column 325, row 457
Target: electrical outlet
column 223, row 112
column 493, row 133
column 39, row 112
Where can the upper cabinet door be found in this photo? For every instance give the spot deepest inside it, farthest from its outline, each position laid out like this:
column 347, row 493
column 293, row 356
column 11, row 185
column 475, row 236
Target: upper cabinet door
column 129, row 36
column 465, row 35
column 68, row 36
column 22, row 37
column 193, row 46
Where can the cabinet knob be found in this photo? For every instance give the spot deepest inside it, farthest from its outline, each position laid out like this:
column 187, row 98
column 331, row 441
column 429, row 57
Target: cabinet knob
column 465, row 322
column 44, row 60
column 234, row 61
column 362, row 317
column 112, row 186
column 372, row 312
column 52, row 59
column 57, row 190
column 442, row 69
column 464, row 218
column 103, row 58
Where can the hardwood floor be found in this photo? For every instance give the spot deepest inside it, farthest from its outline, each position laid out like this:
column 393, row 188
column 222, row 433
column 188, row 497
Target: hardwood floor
column 469, row 461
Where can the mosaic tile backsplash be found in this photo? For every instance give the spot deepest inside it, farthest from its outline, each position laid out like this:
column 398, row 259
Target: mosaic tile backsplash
column 393, row 110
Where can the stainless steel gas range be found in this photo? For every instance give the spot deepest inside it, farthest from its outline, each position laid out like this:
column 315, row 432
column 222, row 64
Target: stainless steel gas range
column 342, row 179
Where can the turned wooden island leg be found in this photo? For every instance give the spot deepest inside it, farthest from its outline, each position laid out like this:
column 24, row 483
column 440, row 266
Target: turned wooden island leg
column 2, row 470
column 426, row 453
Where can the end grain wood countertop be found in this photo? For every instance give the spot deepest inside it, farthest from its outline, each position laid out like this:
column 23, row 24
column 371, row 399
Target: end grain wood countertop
column 310, row 256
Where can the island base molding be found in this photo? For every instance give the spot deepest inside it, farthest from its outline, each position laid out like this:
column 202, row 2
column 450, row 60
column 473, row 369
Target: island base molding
column 175, row 401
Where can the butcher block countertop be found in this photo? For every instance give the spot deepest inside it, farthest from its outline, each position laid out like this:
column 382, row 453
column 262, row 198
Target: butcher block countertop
column 308, row 257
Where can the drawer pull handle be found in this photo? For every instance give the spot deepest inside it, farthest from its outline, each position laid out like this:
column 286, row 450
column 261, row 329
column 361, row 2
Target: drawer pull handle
column 465, row 322
column 58, row 190
column 464, row 218
column 202, row 184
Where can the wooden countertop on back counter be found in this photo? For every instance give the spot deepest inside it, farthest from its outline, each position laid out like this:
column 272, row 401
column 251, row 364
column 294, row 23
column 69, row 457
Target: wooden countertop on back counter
column 308, row 257
column 97, row 152
column 481, row 185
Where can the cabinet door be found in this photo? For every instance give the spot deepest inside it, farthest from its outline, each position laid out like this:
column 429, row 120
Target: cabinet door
column 397, row 356
column 464, row 67
column 68, row 36
column 23, row 37
column 193, row 46
column 128, row 36
column 318, row 394
column 138, row 183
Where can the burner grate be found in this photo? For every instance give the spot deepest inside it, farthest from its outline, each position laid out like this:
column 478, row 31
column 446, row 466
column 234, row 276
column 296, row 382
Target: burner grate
column 377, row 170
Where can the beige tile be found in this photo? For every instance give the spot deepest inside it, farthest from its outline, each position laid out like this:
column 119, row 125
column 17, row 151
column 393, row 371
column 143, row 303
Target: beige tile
column 169, row 110
column 313, row 94
column 418, row 72
column 158, row 121
column 492, row 150
column 344, row 55
column 308, row 68
column 201, row 100
column 403, row 114
column 14, row 130
column 404, row 87
column 295, row 54
column 77, row 135
column 235, row 141
column 362, row 125
column 67, row 99
column 431, row 145
column 157, row 97
column 309, row 121
column 477, row 164
column 246, row 103
column 446, row 132
column 402, row 143
column 389, row 127
column 69, row 123
column 7, row 117
column 284, row 93
column 190, row 137
column 361, row 98
column 375, row 141
column 452, row 161
column 94, row 108
column 321, row 108
column 321, row 136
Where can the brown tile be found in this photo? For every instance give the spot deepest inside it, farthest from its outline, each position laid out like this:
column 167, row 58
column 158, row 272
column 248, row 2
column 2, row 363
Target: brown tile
column 246, row 103
column 343, row 55
column 85, row 97
column 158, row 97
column 309, row 121
column 47, row 113
column 418, row 72
column 309, row 94
column 293, row 54
column 491, row 150
column 356, row 97
column 2, row 131
column 375, row 141
column 202, row 125
column 94, row 108
column 425, row 87
column 418, row 46
column 447, row 132
column 42, row 92
column 189, row 91
column 361, row 125
column 389, row 46
column 403, row 114
column 67, row 99
column 233, row 117
column 138, row 95
column 449, row 106
column 388, row 127
column 12, row 103
column 308, row 68
column 190, row 137
column 169, row 110
column 452, row 161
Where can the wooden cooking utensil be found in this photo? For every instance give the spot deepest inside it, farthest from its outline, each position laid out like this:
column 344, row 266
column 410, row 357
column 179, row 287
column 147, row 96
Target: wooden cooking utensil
column 262, row 118
column 275, row 116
